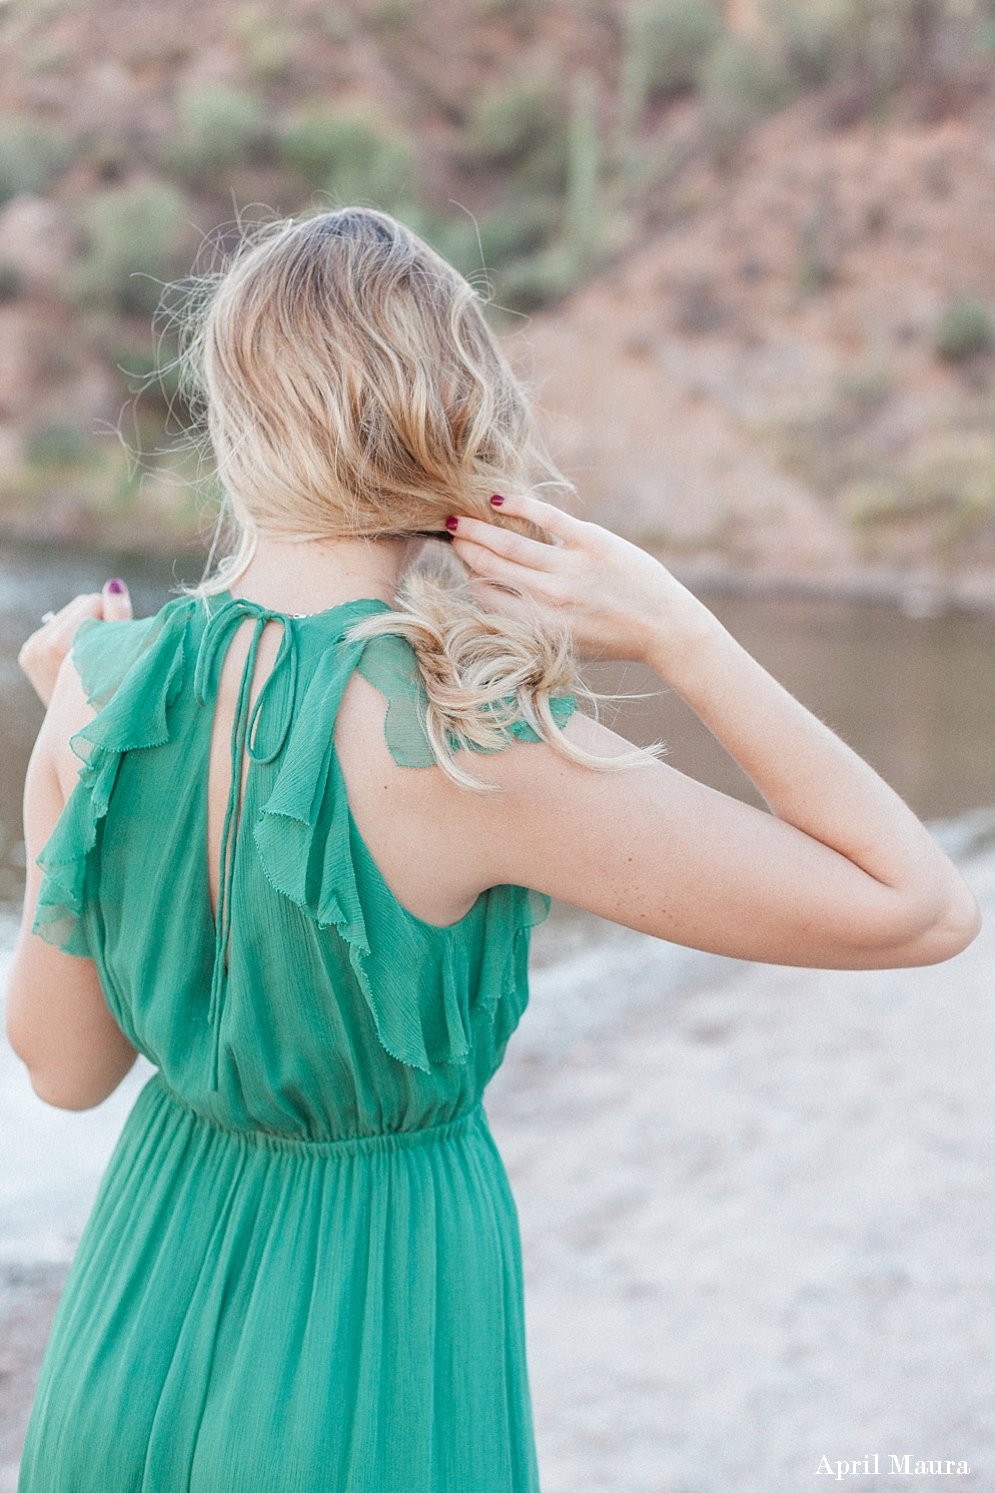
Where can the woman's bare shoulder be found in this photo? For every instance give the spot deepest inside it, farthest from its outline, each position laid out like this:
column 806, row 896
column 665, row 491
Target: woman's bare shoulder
column 439, row 845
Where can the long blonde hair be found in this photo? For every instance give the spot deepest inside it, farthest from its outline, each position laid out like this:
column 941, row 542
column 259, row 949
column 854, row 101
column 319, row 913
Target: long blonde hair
column 350, row 386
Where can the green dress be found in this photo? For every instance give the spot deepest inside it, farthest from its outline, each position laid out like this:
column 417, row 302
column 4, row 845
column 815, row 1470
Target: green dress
column 302, row 1270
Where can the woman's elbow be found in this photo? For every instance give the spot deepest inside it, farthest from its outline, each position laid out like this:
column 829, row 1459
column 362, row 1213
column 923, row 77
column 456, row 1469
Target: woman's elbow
column 958, row 928
column 63, row 1091
column 75, row 1085
column 942, row 934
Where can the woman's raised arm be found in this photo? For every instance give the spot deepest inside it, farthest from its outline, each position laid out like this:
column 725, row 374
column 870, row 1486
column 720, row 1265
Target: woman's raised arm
column 840, row 874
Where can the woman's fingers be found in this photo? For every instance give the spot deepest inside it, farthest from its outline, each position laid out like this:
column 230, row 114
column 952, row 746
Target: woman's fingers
column 116, row 602
column 613, row 596
column 501, row 554
column 488, row 565
column 42, row 655
column 543, row 515
column 503, row 542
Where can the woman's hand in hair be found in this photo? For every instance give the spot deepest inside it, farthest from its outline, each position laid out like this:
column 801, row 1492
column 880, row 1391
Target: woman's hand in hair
column 42, row 655
column 616, row 599
column 839, row 874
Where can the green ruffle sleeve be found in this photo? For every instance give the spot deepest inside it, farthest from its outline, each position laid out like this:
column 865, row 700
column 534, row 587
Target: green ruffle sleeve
column 388, row 663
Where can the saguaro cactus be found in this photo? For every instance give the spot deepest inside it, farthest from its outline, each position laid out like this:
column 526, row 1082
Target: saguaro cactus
column 584, row 171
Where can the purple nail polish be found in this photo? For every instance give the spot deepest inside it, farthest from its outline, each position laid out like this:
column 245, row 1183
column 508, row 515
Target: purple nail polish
column 116, row 588
column 497, row 499
column 452, row 524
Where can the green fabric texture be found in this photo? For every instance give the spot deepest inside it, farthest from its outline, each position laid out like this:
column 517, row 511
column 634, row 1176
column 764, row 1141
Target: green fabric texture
column 302, row 1270
column 389, row 664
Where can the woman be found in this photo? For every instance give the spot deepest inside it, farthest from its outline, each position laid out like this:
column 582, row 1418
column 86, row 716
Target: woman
column 292, row 871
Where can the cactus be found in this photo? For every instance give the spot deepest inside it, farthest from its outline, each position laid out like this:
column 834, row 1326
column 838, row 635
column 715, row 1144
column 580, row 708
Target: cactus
column 634, row 80
column 584, row 170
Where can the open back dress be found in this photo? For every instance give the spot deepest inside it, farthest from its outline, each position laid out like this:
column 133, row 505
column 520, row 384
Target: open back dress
column 302, row 1271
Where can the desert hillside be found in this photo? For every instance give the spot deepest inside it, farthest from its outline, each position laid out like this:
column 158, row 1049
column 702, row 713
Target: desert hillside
column 742, row 249
column 794, row 378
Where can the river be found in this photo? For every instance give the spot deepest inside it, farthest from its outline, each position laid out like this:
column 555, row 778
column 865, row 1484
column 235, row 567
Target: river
column 914, row 695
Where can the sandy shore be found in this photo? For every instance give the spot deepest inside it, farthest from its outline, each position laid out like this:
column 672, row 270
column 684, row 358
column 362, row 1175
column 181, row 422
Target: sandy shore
column 757, row 1210
column 757, row 1222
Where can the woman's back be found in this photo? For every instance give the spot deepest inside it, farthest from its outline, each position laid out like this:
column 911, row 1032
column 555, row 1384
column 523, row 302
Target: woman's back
column 308, row 1002
column 323, row 1223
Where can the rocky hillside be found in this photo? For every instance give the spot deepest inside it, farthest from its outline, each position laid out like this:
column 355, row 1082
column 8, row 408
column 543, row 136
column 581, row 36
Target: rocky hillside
column 750, row 241
column 795, row 379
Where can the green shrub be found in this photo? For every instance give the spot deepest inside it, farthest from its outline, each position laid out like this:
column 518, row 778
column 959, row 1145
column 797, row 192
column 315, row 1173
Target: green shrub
column 957, row 481
column 532, row 281
column 30, row 157
column 884, row 42
column 489, row 10
column 220, row 129
column 677, row 38
column 665, row 46
column 520, row 227
column 564, row 245
column 454, row 238
column 866, row 389
column 817, row 38
column 521, row 126
column 56, row 445
column 149, row 368
column 267, row 44
column 964, row 330
column 135, row 235
column 348, row 154
column 338, row 22
column 391, row 15
column 951, row 484
column 11, row 282
column 742, row 80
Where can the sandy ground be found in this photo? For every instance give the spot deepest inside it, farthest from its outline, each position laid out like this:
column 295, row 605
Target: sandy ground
column 756, row 1205
column 757, row 1223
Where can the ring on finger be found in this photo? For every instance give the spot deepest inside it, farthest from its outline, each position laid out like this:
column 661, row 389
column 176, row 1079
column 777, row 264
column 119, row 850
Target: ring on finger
column 48, row 617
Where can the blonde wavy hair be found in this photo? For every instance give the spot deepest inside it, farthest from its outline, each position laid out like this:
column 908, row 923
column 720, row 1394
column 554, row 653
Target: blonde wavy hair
column 350, row 386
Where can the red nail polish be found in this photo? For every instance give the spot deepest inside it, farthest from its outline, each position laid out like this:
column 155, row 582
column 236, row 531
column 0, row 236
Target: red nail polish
column 452, row 524
column 497, row 499
column 116, row 588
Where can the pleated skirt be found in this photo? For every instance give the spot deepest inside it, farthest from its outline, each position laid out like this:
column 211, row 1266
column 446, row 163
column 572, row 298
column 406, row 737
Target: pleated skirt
column 248, row 1314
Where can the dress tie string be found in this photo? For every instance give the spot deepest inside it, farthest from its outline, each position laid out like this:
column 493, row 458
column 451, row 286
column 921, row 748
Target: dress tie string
column 248, row 739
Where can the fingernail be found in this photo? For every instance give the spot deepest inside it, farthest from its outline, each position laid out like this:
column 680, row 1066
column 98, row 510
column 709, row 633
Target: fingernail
column 116, row 588
column 497, row 499
column 452, row 524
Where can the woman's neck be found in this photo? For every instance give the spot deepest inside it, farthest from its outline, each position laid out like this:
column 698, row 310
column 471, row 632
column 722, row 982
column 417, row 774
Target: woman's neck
column 311, row 575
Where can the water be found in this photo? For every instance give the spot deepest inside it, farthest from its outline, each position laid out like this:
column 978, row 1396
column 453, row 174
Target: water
column 914, row 695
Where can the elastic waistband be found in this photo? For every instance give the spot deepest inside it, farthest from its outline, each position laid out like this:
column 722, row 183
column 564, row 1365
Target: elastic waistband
column 361, row 1145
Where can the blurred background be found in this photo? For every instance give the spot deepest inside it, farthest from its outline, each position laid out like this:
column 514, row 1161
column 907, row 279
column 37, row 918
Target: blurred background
column 743, row 251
